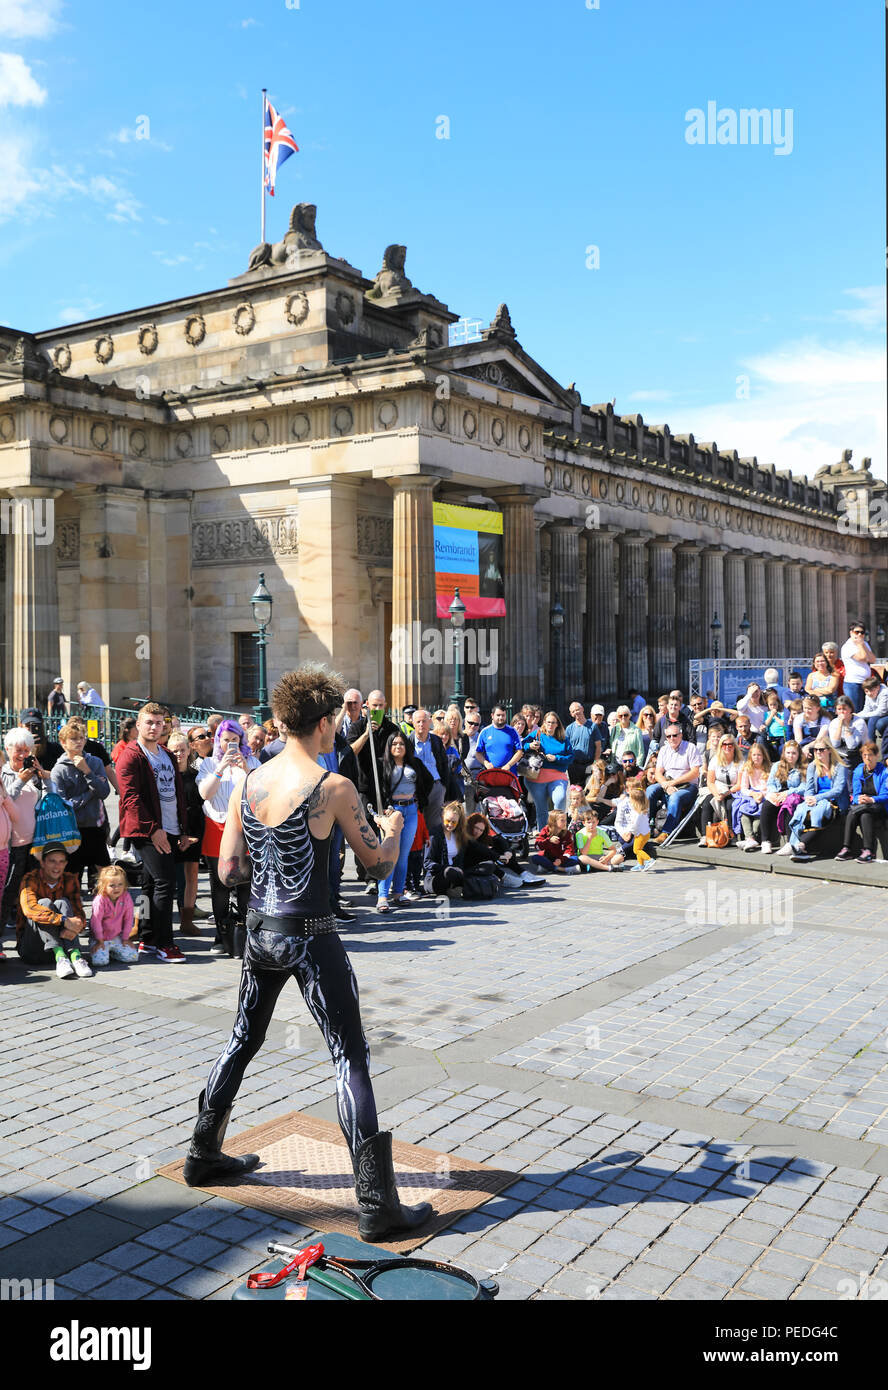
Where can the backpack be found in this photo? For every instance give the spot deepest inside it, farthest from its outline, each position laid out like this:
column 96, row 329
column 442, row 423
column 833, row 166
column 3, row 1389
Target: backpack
column 54, row 821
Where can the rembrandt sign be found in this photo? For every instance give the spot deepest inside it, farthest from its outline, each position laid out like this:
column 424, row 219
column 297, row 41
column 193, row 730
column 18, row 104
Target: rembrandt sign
column 469, row 556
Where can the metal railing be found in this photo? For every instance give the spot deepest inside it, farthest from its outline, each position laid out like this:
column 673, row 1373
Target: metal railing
column 105, row 724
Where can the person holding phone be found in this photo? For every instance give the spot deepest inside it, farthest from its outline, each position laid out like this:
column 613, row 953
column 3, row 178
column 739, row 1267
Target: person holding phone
column 217, row 778
column 24, row 781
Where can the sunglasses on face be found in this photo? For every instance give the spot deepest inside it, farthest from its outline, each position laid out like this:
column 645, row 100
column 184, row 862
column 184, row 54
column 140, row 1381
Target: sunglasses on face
column 673, row 735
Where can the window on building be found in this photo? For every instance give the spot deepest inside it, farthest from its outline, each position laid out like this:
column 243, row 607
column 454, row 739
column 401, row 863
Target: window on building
column 246, row 668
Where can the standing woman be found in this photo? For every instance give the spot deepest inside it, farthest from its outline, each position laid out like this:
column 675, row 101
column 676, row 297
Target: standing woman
column 218, row 777
column 549, row 791
column 645, row 722
column 24, row 781
column 187, row 859
column 79, row 778
column 520, row 723
column 626, row 735
column 452, row 737
column 128, row 734
column 405, row 785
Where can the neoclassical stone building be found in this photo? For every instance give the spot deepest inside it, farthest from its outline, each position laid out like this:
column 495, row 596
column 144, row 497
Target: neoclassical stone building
column 301, row 421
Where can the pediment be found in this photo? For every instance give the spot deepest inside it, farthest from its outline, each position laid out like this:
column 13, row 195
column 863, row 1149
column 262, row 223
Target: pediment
column 501, row 373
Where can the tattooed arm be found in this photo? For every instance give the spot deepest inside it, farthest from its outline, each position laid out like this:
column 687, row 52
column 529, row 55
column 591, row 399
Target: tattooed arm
column 234, row 865
column 378, row 858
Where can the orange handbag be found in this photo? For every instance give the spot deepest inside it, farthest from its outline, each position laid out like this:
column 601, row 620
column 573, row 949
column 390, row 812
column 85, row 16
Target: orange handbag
column 718, row 835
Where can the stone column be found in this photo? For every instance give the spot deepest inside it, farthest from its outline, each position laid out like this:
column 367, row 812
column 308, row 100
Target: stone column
column 169, row 569
column 632, row 658
column 756, row 605
column 688, row 611
column 600, row 635
column 795, row 625
column 735, row 599
column 327, row 627
column 661, row 615
column 519, row 676
column 413, row 590
column 826, row 631
column 810, row 611
column 775, row 583
column 566, row 586
column 840, row 605
column 32, row 597
column 712, row 586
column 124, row 620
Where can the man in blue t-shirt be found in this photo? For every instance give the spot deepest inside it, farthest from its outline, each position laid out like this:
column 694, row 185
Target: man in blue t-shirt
column 499, row 745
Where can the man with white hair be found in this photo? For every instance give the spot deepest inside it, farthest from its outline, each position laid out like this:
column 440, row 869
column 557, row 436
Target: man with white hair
column 350, row 712
column 88, row 696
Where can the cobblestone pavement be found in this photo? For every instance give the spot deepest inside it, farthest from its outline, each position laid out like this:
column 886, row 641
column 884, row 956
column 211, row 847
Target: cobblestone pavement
column 693, row 1092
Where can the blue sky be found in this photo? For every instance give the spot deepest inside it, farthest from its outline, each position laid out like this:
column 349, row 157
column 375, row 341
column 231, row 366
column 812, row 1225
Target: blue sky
column 567, row 130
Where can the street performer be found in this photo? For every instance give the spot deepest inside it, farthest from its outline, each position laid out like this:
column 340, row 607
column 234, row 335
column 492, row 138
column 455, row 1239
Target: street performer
column 277, row 835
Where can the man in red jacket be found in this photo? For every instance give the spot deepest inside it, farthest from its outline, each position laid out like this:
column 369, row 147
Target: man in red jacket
column 152, row 818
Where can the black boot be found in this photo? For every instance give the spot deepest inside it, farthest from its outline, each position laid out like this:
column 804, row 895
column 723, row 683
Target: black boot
column 206, row 1163
column 381, row 1209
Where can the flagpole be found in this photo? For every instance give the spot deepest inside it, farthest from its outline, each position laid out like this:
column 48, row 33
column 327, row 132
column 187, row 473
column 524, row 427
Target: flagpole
column 262, row 169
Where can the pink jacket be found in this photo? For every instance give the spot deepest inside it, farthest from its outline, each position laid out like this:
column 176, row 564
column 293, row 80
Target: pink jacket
column 110, row 919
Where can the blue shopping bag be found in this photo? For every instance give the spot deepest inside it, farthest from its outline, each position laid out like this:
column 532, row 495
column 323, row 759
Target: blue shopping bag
column 55, row 822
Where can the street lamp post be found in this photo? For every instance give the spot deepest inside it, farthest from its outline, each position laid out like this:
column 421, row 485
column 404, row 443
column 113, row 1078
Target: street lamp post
column 261, row 604
column 556, row 619
column 745, row 625
column 457, row 612
column 715, row 628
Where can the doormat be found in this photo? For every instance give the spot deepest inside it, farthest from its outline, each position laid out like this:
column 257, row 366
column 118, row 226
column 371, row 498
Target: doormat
column 306, row 1177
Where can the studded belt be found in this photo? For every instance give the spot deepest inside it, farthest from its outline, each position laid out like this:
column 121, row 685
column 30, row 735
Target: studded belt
column 291, row 926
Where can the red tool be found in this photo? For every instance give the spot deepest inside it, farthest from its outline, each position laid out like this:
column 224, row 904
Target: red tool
column 298, row 1265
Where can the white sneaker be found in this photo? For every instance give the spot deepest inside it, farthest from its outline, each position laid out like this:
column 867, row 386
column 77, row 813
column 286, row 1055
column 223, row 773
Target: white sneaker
column 747, row 845
column 531, row 880
column 64, row 968
column 702, row 842
column 119, row 950
column 767, row 847
column 786, row 851
column 100, row 955
column 81, row 969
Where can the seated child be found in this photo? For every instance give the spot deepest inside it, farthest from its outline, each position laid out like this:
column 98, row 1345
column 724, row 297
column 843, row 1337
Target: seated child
column 51, row 917
column 113, row 918
column 555, row 852
column 576, row 803
column 594, row 849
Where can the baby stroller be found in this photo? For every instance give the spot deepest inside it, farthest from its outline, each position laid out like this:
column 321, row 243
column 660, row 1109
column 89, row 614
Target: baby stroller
column 498, row 794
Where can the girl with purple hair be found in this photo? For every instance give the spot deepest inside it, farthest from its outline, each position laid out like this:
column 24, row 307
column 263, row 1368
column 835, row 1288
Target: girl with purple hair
column 217, row 778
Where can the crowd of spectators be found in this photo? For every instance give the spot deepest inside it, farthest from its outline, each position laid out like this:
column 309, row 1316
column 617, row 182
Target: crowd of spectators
column 489, row 804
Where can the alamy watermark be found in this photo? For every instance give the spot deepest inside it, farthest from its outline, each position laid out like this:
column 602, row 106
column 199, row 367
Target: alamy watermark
column 28, row 1290
column 740, row 907
column 746, row 126
column 28, row 516
column 417, row 645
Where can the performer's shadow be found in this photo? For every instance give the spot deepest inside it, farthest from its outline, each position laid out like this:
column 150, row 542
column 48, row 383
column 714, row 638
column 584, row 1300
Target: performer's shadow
column 461, row 1179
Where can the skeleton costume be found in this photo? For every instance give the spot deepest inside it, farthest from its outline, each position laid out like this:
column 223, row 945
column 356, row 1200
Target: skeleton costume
column 292, row 932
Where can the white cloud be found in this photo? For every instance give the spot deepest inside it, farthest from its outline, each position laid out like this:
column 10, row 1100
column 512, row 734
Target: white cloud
column 18, row 86
column 28, row 189
column 808, row 401
column 650, row 396
column 86, row 309
column 248, row 23
column 870, row 312
column 25, row 19
column 166, row 259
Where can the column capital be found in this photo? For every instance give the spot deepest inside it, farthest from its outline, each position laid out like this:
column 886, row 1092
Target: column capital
column 635, row 537
column 35, row 490
column 668, row 542
column 690, row 547
column 396, row 478
column 319, row 482
column 606, row 532
column 524, row 495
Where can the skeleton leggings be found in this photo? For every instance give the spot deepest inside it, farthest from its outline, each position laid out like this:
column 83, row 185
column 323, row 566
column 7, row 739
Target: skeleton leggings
column 324, row 974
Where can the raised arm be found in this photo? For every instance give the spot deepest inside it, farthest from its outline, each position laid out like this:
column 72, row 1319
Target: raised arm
column 378, row 858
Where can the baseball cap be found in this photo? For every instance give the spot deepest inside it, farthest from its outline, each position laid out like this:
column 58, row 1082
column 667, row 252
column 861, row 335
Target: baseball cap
column 597, row 709
column 32, row 714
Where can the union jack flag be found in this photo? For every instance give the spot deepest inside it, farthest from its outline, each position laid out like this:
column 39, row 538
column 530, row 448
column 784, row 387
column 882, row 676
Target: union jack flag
column 279, row 145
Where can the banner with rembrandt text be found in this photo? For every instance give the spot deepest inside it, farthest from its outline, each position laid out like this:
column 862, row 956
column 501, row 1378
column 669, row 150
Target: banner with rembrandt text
column 469, row 556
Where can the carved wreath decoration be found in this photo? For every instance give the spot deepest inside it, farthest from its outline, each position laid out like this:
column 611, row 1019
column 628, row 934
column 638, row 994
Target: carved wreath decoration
column 62, row 357
column 296, row 308
column 195, row 329
column 345, row 308
column 244, row 319
column 104, row 348
column 147, row 339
